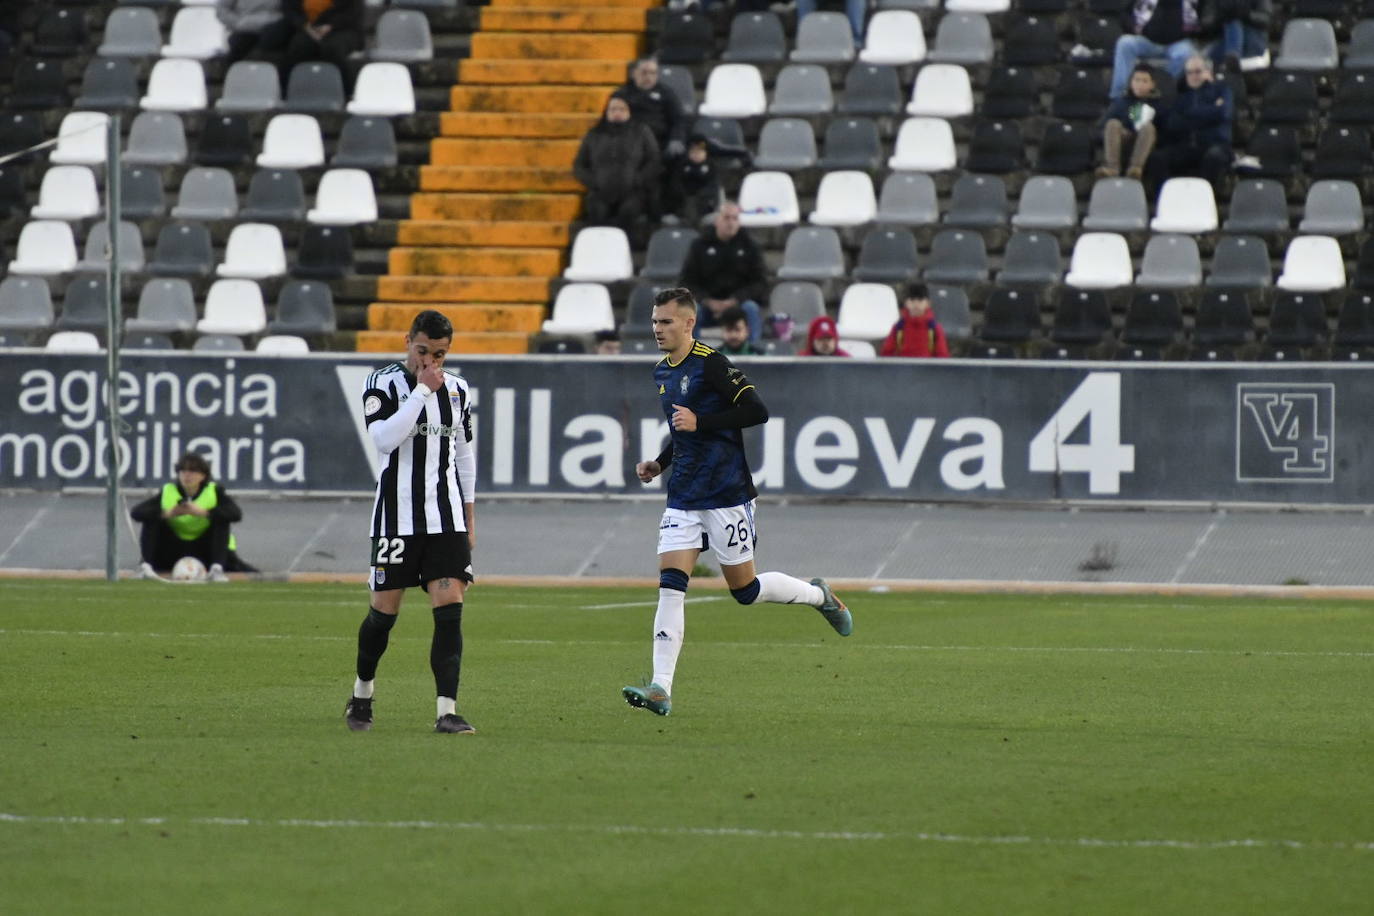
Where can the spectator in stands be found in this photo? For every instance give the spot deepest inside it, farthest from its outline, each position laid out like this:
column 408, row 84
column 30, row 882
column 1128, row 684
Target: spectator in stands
column 619, row 164
column 656, row 105
column 1130, row 119
column 1156, row 28
column 693, row 189
column 735, row 328
column 1242, row 30
column 189, row 517
column 724, row 268
column 256, row 28
column 822, row 338
column 854, row 9
column 607, row 343
column 916, row 332
column 327, row 30
column 1195, row 138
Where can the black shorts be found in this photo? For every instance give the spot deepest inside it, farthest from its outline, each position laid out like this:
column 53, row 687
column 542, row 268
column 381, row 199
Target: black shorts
column 418, row 559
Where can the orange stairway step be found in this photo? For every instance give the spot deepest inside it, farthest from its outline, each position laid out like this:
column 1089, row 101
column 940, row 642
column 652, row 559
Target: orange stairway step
column 496, row 343
column 574, row 4
column 467, row 318
column 476, row 262
column 495, row 178
column 502, row 124
column 605, row 19
column 541, row 72
column 539, row 207
column 482, row 233
column 531, row 99
column 622, row 46
column 527, row 153
column 463, row 289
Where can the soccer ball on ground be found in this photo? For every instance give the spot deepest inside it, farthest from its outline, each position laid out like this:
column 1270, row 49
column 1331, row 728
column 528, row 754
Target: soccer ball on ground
column 189, row 569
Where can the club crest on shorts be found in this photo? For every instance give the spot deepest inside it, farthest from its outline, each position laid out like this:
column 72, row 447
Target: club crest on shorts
column 379, row 575
column 683, row 384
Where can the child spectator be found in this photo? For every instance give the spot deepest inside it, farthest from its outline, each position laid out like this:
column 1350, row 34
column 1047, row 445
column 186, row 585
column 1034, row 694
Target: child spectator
column 1131, row 119
column 916, row 333
column 822, row 338
column 693, row 189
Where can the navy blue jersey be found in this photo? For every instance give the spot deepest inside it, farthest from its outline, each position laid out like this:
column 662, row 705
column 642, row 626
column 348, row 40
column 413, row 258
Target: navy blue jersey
column 708, row 469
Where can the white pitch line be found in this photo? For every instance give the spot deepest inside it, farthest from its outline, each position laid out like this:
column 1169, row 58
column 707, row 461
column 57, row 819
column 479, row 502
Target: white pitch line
column 19, row 538
column 622, row 604
column 828, row 646
column 901, row 542
column 1197, row 546
column 313, row 538
column 845, row 836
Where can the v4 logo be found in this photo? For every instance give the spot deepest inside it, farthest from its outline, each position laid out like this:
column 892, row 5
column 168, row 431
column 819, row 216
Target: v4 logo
column 1286, row 433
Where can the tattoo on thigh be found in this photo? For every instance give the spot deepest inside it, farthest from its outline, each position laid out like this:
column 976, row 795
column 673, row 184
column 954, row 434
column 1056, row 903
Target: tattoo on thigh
column 445, row 583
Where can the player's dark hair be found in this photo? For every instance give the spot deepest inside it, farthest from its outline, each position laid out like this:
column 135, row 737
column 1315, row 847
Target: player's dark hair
column 680, row 295
column 191, row 461
column 917, row 291
column 731, row 317
column 432, row 324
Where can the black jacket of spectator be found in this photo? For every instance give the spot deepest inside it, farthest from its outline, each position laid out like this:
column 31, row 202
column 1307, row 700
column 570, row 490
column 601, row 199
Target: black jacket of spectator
column 1257, row 13
column 725, row 270
column 659, row 108
column 1195, row 119
column 342, row 15
column 618, row 159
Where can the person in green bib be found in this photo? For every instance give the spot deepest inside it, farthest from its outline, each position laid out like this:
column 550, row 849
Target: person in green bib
column 189, row 518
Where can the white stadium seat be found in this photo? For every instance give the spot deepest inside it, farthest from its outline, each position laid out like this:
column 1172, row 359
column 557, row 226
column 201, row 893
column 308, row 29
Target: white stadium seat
column 73, row 342
column 581, row 308
column 68, row 192
column 1101, row 260
column 292, row 141
column 1186, row 205
column 176, row 84
column 345, row 197
column 845, row 199
column 941, row 91
column 282, row 345
column 600, row 254
column 924, row 145
column 867, row 311
column 768, row 199
column 383, row 90
column 196, row 33
column 233, row 307
column 734, row 91
column 45, row 247
column 82, row 139
column 894, row 37
column 1312, row 264
column 254, row 251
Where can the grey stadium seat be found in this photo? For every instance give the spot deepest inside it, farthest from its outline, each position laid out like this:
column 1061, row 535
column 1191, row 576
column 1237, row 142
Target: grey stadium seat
column 1240, row 261
column 888, row 255
column 165, row 306
column 207, row 194
column 147, row 340
column 679, row 80
column 132, row 31
column 851, row 143
column 274, row 195
column 85, row 306
column 977, row 201
column 812, row 253
column 366, row 143
column 802, row 89
column 304, row 307
column 951, row 308
column 218, row 343
column 786, row 144
column 1308, row 44
column 315, row 88
column 1333, row 208
column 667, row 250
column 908, row 199
column 873, row 90
column 131, row 258
column 183, row 250
column 402, row 36
column 962, row 38
column 1117, row 205
column 1047, row 202
column 108, row 84
column 824, row 38
column 25, row 304
column 755, row 38
column 250, row 86
column 802, row 302
column 957, row 256
column 156, row 138
column 1359, row 54
column 1171, row 261
column 141, row 194
column 1032, row 259
column 1258, row 207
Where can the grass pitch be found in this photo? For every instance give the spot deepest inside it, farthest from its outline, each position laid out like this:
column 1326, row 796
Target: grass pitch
column 174, row 749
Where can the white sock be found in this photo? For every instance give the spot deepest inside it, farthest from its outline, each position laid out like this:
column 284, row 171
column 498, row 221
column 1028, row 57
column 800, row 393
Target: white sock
column 447, row 707
column 669, row 624
column 362, row 689
column 781, row 588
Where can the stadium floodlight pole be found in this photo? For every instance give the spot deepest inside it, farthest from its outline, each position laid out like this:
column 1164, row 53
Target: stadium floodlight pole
column 113, row 201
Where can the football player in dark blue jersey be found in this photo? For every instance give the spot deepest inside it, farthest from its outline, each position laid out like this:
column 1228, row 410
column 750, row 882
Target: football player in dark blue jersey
column 710, row 491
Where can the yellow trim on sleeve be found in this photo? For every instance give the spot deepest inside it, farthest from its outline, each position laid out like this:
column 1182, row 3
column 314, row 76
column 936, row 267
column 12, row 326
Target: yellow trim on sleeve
column 740, row 392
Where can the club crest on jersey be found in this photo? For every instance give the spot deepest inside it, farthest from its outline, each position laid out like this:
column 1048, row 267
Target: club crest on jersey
column 683, row 384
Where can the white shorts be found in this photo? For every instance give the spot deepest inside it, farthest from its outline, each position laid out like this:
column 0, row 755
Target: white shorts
column 729, row 532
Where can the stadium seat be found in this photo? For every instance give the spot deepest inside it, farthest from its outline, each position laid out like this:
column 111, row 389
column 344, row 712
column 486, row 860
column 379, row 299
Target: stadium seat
column 383, row 90
column 801, row 302
column 639, row 311
column 131, row 31
column 734, row 91
column 206, row 194
column 679, row 80
column 962, row 38
column 951, row 308
column 1223, row 320
column 196, row 33
column 867, row 312
column 996, row 147
column 786, row 145
column 38, row 84
column 86, row 304
column 147, row 340
column 755, row 38
column 282, row 345
column 225, row 140
column 871, row 89
column 304, row 308
column 688, row 37
column 1258, row 207
column 176, row 84
column 923, row 145
column 888, row 255
column 894, row 37
column 1308, row 44
column 97, row 251
column 851, row 143
column 1353, row 102
column 274, row 196
column 957, row 257
column 1312, row 264
column 1296, row 320
column 1047, row 202
column 908, row 199
column 345, row 197
column 1171, row 261
column 73, row 342
column 218, row 343
column 324, row 253
column 845, row 199
column 768, row 199
column 365, row 143
column 1364, row 265
column 941, row 91
column 581, row 308
column 1010, row 316
column 156, row 138
column 1029, row 41
column 1152, row 320
column 292, row 141
column 1082, row 318
column 977, row 202
column 25, row 304
column 666, row 253
column 254, row 251
column 13, row 188
column 1066, row 148
column 165, row 306
column 1359, row 53
column 824, row 38
column 182, row 250
column 250, row 86
column 802, row 89
column 1343, row 151
column 1278, row 150
column 722, row 131
column 1011, row 92
column 1080, row 95
column 233, row 307
column 986, row 7
column 68, row 192
column 20, row 130
column 600, row 254
column 1185, row 205
column 1355, row 323
column 1289, row 98
column 402, row 36
column 1031, row 259
column 812, row 253
column 315, row 87
column 859, row 349
column 1101, row 260
column 1240, row 262
column 141, row 194
column 108, row 84
column 45, row 248
column 1333, row 208
column 59, row 33
column 81, row 139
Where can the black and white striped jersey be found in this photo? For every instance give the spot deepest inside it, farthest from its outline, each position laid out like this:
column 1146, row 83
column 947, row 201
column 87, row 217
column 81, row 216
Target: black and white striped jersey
column 428, row 467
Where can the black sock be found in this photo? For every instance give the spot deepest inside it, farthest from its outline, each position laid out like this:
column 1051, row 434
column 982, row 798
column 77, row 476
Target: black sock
column 372, row 640
column 446, row 651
